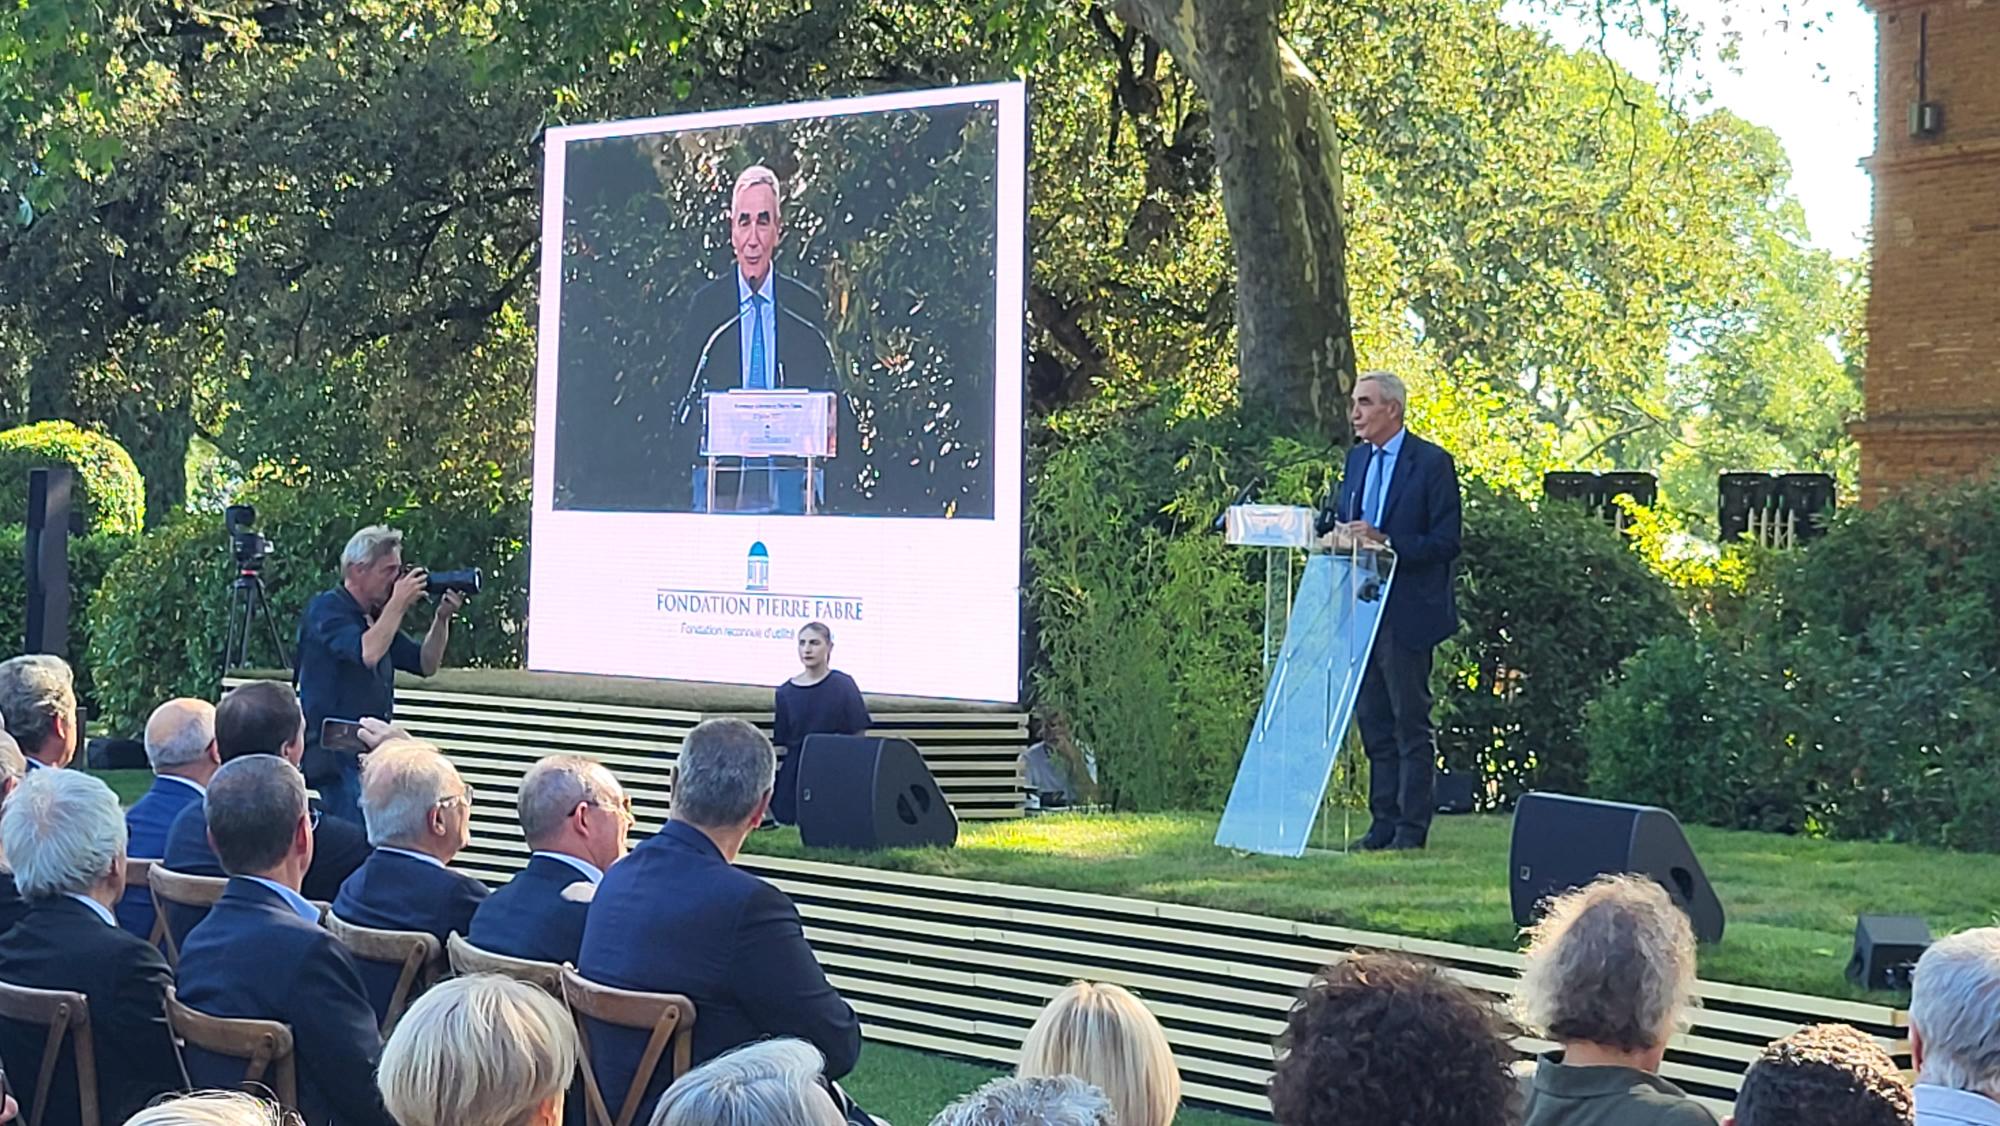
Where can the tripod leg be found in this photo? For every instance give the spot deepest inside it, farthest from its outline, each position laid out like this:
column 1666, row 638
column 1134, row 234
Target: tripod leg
column 277, row 637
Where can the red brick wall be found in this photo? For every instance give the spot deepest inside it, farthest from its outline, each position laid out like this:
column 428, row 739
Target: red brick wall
column 1932, row 377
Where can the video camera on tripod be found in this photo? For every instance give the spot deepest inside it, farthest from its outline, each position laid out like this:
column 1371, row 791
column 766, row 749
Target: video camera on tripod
column 247, row 597
column 248, row 547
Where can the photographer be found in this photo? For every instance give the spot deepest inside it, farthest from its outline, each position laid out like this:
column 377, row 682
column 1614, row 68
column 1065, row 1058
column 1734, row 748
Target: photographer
column 350, row 646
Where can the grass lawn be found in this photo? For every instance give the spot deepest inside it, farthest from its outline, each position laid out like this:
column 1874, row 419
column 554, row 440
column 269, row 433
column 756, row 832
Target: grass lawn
column 908, row 1087
column 127, row 784
column 1790, row 901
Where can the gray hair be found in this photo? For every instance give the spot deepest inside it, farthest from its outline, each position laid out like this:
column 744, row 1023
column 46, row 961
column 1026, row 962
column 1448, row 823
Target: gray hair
column 1391, row 385
column 214, row 1108
column 63, row 833
column 555, row 786
column 1955, row 1011
column 759, row 174
column 1047, row 1100
column 767, row 1083
column 478, row 1049
column 179, row 732
column 13, row 764
column 36, row 689
column 726, row 766
column 1611, row 963
column 253, row 806
column 402, row 781
column 369, row 544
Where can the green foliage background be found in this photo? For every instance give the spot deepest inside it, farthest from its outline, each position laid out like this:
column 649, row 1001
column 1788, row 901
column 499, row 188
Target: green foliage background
column 113, row 497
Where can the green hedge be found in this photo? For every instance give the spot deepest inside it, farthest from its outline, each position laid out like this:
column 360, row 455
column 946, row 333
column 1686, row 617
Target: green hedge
column 1852, row 692
column 161, row 617
column 114, row 495
column 89, row 558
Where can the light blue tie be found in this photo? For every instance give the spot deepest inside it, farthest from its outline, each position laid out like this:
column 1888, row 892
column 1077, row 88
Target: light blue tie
column 1371, row 505
column 759, row 364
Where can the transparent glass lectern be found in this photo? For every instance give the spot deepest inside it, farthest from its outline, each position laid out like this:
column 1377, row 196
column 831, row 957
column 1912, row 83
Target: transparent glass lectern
column 1316, row 647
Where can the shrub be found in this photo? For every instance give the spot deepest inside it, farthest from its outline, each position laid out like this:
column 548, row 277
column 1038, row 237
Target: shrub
column 114, row 495
column 89, row 558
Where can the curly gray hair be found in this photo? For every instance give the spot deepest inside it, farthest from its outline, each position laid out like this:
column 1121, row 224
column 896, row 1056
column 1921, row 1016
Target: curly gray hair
column 1611, row 963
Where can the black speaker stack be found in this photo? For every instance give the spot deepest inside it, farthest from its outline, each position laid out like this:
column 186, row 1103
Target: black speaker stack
column 864, row 792
column 1562, row 842
column 1774, row 509
column 1600, row 491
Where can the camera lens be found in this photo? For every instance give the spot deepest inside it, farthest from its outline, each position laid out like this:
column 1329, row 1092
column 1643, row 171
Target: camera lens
column 465, row 582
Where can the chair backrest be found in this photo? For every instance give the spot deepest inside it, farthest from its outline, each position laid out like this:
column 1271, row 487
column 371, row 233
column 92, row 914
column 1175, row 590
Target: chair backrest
column 420, row 956
column 469, row 959
column 666, row 1016
column 64, row 1014
column 261, row 1044
column 138, row 874
column 170, row 886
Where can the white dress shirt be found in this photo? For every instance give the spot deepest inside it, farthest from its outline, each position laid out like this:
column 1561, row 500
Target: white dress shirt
column 103, row 912
column 590, row 871
column 298, row 903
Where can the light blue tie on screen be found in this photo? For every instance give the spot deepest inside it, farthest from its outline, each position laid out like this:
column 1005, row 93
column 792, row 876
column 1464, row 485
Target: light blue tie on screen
column 759, row 363
column 1371, row 505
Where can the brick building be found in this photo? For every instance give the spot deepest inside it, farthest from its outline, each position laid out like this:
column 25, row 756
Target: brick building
column 1932, row 378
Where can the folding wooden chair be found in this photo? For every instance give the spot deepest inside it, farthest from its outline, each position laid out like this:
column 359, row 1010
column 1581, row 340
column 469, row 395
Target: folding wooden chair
column 65, row 1015
column 667, row 1017
column 419, row 955
column 469, row 959
column 179, row 888
column 262, row 1045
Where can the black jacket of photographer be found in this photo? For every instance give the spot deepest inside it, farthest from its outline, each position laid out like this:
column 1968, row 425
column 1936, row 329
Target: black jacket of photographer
column 333, row 683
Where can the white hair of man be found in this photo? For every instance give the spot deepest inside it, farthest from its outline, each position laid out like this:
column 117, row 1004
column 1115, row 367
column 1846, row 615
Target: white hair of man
column 402, row 781
column 766, row 1083
column 759, row 174
column 64, row 832
column 1610, row 963
column 480, row 1049
column 213, row 1108
column 1044, row 1100
column 1955, row 1012
column 1392, row 387
column 36, row 689
column 553, row 788
column 179, row 732
column 726, row 766
column 369, row 544
column 13, row 764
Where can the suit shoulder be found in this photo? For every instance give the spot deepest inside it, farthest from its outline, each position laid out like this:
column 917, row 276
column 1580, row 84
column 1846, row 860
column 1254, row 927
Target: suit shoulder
column 793, row 290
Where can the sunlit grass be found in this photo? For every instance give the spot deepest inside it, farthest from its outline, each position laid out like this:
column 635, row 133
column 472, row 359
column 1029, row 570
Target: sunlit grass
column 908, row 1087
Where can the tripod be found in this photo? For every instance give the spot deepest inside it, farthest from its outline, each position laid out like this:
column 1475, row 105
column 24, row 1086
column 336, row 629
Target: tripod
column 247, row 602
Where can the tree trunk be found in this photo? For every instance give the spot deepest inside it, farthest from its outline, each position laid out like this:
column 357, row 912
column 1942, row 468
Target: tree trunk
column 1279, row 159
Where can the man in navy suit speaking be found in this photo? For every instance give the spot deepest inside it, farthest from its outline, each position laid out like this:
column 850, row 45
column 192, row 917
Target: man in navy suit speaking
column 1400, row 492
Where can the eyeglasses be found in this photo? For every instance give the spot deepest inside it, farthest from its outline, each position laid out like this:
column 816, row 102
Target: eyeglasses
column 312, row 819
column 450, row 800
column 622, row 807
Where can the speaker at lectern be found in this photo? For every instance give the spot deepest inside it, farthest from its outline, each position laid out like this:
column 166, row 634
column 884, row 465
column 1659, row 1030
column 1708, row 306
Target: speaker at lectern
column 761, row 448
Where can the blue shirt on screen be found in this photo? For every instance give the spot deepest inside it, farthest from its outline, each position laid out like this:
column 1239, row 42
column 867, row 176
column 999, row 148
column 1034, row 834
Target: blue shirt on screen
column 333, row 683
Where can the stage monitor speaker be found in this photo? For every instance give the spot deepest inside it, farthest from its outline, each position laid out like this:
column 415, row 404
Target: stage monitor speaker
column 1455, row 793
column 858, row 791
column 1562, row 842
column 46, row 545
column 1886, row 949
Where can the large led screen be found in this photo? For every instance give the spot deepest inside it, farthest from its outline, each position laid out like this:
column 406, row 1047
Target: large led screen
column 779, row 381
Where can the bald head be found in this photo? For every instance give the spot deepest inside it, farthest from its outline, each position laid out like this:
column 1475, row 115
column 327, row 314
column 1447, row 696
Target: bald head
column 180, row 739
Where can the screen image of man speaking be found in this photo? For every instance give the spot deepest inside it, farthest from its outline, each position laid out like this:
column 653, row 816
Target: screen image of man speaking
column 753, row 328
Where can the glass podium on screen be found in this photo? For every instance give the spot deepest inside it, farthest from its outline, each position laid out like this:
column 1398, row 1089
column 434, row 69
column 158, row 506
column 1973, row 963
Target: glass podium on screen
column 769, row 443
column 1316, row 648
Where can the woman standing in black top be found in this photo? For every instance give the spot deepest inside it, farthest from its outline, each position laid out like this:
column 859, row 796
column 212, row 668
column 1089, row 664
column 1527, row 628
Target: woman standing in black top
column 818, row 701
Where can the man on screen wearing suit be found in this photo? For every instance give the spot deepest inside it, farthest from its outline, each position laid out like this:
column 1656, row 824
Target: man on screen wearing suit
column 754, row 327
column 1400, row 492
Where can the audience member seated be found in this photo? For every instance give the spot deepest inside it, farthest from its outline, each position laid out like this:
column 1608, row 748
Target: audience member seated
column 769, row 1083
column 419, row 814
column 262, row 954
column 13, row 767
column 1387, row 1038
column 180, row 746
column 1050, row 1100
column 1825, row 1075
column 574, row 815
column 65, row 836
column 261, row 718
column 1106, row 1037
column 214, row 1108
column 1609, row 972
column 1955, row 1030
column 677, row 917
column 483, row 1049
column 38, row 704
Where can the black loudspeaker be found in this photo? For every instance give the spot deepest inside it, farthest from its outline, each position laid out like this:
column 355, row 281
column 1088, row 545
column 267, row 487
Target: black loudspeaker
column 1886, row 948
column 858, row 791
column 1455, row 793
column 46, row 545
column 1562, row 842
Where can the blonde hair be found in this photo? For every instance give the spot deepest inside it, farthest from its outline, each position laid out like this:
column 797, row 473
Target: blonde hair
column 484, row 1048
column 1611, row 963
column 214, row 1108
column 1105, row 1036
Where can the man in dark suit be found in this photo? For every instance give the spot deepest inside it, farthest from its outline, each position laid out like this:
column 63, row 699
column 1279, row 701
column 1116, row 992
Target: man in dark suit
column 38, row 703
column 574, row 815
column 1400, row 492
column 419, row 814
column 263, row 718
column 13, row 767
column 262, row 954
column 677, row 917
column 65, row 836
column 180, row 745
